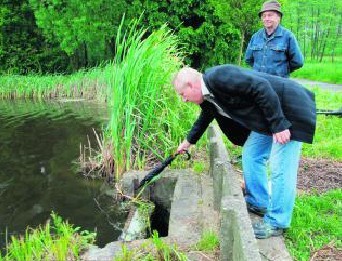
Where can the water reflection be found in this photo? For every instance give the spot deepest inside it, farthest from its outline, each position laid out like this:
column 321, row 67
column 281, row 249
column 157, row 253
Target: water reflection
column 38, row 143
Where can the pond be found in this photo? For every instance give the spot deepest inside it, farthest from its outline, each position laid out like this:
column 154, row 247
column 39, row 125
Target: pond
column 39, row 143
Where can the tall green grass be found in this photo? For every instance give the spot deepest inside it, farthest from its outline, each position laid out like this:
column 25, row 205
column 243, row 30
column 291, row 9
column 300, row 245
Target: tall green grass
column 57, row 240
column 324, row 72
column 328, row 136
column 147, row 119
column 86, row 84
column 316, row 223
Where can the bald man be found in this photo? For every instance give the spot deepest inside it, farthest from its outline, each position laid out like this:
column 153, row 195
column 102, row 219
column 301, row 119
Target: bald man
column 270, row 117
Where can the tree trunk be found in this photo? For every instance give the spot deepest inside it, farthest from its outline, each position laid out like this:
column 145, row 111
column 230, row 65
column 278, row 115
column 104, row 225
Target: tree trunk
column 312, row 33
column 86, row 61
column 242, row 40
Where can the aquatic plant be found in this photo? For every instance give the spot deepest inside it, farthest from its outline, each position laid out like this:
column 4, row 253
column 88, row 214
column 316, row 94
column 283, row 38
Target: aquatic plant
column 87, row 84
column 57, row 240
column 146, row 116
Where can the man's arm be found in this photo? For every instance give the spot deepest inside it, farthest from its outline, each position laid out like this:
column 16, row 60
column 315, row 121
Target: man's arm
column 295, row 56
column 198, row 128
column 201, row 124
column 249, row 59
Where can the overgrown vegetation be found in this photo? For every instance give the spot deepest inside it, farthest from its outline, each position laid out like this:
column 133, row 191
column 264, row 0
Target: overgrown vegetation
column 83, row 84
column 316, row 223
column 326, row 71
column 145, row 116
column 328, row 134
column 57, row 240
column 157, row 248
column 208, row 242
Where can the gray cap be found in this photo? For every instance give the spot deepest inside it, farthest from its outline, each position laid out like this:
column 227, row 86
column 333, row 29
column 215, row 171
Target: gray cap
column 271, row 5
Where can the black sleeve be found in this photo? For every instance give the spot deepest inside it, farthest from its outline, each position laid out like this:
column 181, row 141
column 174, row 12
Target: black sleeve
column 201, row 124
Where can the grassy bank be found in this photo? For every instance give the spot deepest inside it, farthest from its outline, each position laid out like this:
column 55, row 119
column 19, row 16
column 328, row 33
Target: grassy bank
column 88, row 84
column 323, row 72
column 328, row 136
column 316, row 223
column 57, row 240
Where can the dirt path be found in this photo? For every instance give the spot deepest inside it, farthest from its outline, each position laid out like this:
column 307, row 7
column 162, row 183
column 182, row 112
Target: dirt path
column 323, row 85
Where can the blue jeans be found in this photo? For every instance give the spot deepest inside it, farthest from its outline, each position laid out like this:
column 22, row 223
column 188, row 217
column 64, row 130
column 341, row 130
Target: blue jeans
column 283, row 159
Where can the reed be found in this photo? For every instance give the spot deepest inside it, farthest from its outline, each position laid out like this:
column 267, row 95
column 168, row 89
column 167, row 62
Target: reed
column 321, row 71
column 146, row 116
column 86, row 84
column 57, row 240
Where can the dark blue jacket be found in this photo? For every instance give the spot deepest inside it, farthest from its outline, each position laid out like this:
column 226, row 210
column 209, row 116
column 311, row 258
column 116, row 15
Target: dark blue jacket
column 277, row 55
column 257, row 102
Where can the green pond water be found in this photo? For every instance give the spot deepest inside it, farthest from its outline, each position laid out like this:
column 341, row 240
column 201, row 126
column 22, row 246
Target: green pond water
column 39, row 143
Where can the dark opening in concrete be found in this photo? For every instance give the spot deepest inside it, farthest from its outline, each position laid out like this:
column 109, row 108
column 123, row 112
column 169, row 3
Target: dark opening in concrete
column 161, row 195
column 160, row 220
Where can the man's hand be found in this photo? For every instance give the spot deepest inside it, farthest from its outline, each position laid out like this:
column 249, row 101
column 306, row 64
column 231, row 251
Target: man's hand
column 282, row 137
column 184, row 146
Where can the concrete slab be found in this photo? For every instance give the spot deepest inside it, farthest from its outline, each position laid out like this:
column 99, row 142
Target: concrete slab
column 271, row 249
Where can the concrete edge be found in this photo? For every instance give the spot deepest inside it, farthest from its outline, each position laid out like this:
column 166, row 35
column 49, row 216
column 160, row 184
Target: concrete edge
column 237, row 241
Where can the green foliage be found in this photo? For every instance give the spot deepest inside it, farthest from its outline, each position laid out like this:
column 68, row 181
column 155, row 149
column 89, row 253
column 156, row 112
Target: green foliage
column 316, row 222
column 316, row 25
column 86, row 26
column 63, row 36
column 58, row 240
column 145, row 111
column 208, row 242
column 68, row 35
column 328, row 136
column 87, row 84
column 199, row 167
column 321, row 71
column 23, row 49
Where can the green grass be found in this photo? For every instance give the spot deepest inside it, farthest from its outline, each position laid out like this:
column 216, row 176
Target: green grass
column 147, row 120
column 208, row 242
column 316, row 222
column 328, row 136
column 323, row 72
column 88, row 84
column 57, row 240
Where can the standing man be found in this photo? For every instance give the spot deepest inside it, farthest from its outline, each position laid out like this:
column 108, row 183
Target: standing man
column 273, row 49
column 245, row 103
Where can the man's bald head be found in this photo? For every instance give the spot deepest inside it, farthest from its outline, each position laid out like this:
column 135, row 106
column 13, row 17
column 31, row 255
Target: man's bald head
column 187, row 83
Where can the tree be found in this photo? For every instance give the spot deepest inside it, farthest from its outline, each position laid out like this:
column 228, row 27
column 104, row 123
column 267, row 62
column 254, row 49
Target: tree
column 317, row 26
column 239, row 15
